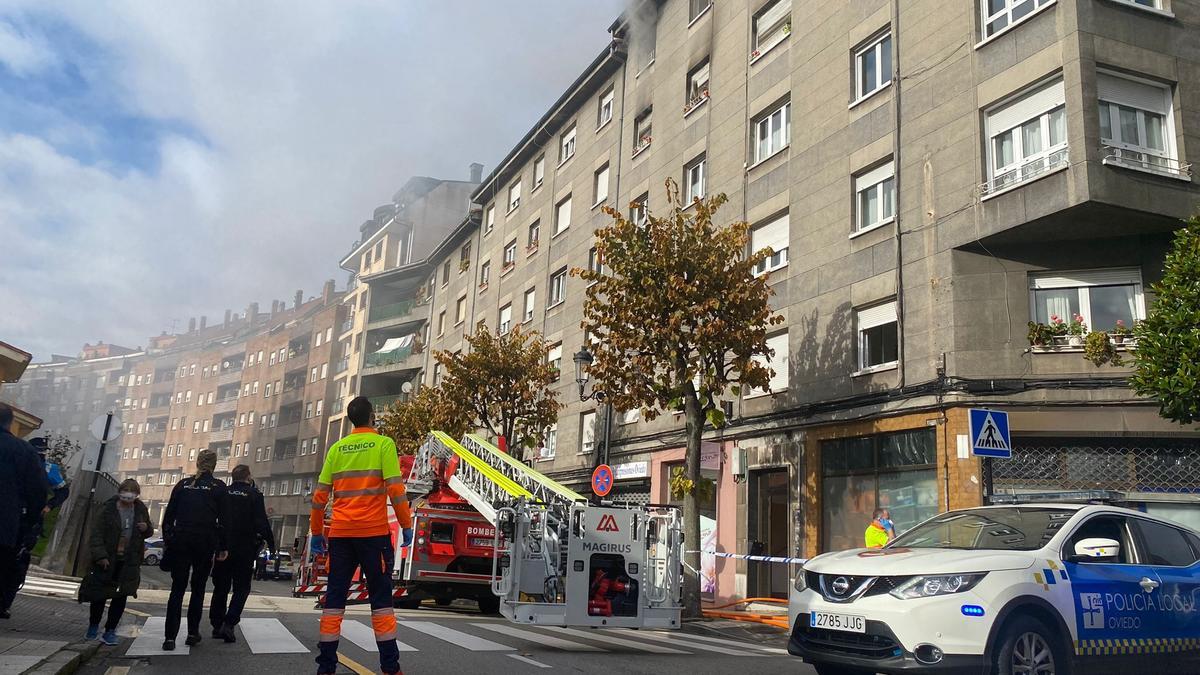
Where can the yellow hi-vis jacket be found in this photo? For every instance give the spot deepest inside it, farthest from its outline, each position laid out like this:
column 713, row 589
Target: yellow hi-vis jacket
column 362, row 471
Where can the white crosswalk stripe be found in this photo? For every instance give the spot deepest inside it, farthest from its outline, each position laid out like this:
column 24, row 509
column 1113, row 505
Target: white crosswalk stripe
column 539, row 638
column 688, row 637
column 454, row 637
column 609, row 637
column 270, row 636
column 670, row 637
column 45, row 585
column 150, row 638
column 363, row 636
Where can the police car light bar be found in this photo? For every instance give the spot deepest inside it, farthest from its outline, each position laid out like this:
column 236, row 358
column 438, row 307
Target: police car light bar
column 1070, row 496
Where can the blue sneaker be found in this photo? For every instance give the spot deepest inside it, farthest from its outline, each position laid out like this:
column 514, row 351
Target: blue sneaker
column 93, row 632
column 110, row 638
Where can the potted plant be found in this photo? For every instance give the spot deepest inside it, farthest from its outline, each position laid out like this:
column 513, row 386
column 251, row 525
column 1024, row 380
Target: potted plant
column 1076, row 329
column 1099, row 349
column 1120, row 332
column 1040, row 335
column 1058, row 330
column 464, row 264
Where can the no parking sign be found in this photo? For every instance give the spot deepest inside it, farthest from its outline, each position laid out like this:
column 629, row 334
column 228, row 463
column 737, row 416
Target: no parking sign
column 602, row 480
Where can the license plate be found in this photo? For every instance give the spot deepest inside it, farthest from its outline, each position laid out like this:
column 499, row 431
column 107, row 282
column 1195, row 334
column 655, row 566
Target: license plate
column 481, row 542
column 842, row 622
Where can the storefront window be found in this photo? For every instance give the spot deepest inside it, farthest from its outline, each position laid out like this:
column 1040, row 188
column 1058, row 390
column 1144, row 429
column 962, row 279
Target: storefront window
column 893, row 471
column 708, row 529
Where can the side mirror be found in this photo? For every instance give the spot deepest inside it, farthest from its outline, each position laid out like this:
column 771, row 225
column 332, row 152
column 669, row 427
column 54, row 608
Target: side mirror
column 1094, row 548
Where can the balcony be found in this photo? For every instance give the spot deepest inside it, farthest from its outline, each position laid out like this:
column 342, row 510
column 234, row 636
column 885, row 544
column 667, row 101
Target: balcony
column 292, row 393
column 341, row 366
column 1139, row 160
column 397, row 313
column 395, row 354
column 224, row 405
column 380, row 403
column 347, row 325
column 230, row 375
column 1033, row 168
column 221, row 435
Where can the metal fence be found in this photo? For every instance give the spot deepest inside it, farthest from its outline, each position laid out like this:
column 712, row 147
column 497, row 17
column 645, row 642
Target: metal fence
column 1128, row 465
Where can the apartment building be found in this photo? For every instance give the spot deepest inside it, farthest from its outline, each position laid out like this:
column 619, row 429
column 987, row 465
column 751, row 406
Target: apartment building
column 931, row 178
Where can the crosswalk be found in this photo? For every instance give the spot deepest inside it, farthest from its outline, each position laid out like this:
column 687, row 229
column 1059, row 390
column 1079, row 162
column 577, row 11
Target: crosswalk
column 271, row 636
column 50, row 586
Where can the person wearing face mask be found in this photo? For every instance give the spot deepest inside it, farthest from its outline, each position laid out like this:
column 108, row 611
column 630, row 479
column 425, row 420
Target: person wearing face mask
column 116, row 544
column 881, row 530
column 248, row 530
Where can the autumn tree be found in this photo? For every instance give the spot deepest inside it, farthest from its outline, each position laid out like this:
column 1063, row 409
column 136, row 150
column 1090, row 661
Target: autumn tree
column 678, row 318
column 1167, row 357
column 502, row 384
column 409, row 422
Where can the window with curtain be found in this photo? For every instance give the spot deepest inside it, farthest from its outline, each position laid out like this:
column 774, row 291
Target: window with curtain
column 875, row 197
column 1027, row 137
column 1101, row 297
column 1135, row 121
column 878, row 336
column 774, row 234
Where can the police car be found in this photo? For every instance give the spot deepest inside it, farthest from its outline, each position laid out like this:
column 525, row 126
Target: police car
column 1042, row 589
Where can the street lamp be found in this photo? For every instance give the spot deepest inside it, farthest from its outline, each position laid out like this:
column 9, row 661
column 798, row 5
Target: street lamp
column 583, row 360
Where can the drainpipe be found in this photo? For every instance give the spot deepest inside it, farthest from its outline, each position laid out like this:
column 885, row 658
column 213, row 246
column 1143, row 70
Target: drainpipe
column 897, row 235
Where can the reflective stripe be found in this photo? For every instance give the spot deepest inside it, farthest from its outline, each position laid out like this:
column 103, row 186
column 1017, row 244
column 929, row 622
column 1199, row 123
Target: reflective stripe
column 382, row 611
column 357, row 473
column 328, row 611
column 324, row 486
column 331, row 625
column 395, row 480
column 345, row 494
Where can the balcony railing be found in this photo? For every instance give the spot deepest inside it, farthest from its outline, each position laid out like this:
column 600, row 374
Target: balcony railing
column 391, row 311
column 380, row 403
column 218, row 435
column 347, row 325
column 1031, row 169
column 341, row 366
column 1145, row 161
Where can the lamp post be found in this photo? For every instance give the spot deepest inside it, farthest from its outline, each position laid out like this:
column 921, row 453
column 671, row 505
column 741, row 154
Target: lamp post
column 583, row 360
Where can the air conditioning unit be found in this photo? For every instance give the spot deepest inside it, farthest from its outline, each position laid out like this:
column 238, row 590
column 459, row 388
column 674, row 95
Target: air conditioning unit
column 738, row 463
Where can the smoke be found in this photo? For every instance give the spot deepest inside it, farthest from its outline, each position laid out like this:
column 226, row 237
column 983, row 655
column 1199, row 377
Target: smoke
column 641, row 17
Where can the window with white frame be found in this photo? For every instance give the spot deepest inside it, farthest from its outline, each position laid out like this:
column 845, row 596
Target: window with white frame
column 642, row 130
column 514, row 195
column 697, row 85
column 510, row 255
column 320, row 409
column 1027, row 137
column 489, row 219
column 873, row 66
column 442, row 323
column 566, row 144
column 505, row 319
column 539, row 171
column 771, row 25
column 530, row 300
column 604, row 112
column 772, row 132
column 1101, row 297
column 1000, row 14
column 535, row 233
column 558, row 287
column 460, row 310
column 554, row 358
column 595, row 262
column 878, row 336
column 693, row 180
column 874, row 197
column 1136, row 122
column 600, row 185
column 549, row 443
column 587, row 432
column 485, row 273
column 774, row 234
column 437, row 374
column 639, row 209
column 696, row 8
column 562, row 215
column 778, row 363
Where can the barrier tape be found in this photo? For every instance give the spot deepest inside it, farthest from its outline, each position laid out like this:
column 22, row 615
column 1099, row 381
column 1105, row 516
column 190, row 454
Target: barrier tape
column 755, row 558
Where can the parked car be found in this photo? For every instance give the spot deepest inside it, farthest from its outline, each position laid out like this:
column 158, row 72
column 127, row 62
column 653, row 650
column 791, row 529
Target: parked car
column 278, row 566
column 1041, row 588
column 154, row 551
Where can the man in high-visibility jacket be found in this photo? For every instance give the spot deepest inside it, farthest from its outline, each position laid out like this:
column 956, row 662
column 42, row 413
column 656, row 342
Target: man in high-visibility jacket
column 362, row 471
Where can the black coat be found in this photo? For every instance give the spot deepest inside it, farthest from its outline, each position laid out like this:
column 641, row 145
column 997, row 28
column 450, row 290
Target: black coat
column 99, row 583
column 22, row 489
column 198, row 510
column 248, row 523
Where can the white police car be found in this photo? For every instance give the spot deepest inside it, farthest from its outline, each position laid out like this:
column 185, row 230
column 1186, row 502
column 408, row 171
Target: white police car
column 1041, row 589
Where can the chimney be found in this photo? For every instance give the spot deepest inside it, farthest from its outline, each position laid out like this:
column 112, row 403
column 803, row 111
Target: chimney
column 274, row 308
column 252, row 312
column 328, row 291
column 228, row 315
column 476, row 172
column 192, row 325
column 203, row 322
column 299, row 299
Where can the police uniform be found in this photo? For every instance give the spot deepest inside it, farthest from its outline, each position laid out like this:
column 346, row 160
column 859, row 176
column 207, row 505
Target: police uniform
column 248, row 529
column 195, row 528
column 361, row 476
column 33, row 531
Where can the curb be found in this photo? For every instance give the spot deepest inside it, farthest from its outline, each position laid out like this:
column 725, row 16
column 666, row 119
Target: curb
column 66, row 660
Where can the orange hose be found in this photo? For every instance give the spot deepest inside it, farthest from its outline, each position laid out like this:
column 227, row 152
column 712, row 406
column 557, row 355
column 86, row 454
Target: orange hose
column 766, row 619
column 776, row 601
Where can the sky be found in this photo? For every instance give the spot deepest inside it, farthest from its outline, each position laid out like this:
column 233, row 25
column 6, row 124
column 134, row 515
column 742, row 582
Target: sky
column 166, row 160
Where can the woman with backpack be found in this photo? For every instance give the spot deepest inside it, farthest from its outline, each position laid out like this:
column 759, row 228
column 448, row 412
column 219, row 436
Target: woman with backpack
column 116, row 544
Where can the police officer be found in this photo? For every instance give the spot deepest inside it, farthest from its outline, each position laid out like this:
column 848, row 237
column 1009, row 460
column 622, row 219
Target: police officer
column 248, row 529
column 60, row 491
column 22, row 496
column 195, row 529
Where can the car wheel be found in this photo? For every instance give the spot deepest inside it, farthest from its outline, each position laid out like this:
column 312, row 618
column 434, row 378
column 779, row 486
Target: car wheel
column 489, row 604
column 1028, row 647
column 151, row 559
column 833, row 669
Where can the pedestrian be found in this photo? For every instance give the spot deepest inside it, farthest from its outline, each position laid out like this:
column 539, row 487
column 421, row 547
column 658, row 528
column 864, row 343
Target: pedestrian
column 60, row 491
column 362, row 471
column 22, row 497
column 116, row 544
column 249, row 529
column 195, row 529
column 881, row 530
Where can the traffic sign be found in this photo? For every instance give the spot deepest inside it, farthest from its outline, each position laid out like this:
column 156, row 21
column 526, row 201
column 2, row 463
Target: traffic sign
column 602, row 480
column 989, row 433
column 114, row 429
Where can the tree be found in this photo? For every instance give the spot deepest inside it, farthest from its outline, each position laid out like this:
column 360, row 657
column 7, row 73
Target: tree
column 409, row 422
column 1167, row 357
column 61, row 450
column 502, row 384
column 678, row 317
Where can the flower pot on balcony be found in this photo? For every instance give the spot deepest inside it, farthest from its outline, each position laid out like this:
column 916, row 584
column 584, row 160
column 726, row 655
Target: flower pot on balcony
column 1075, row 341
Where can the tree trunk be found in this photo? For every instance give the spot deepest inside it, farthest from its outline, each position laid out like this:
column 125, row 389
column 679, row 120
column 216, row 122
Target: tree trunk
column 691, row 510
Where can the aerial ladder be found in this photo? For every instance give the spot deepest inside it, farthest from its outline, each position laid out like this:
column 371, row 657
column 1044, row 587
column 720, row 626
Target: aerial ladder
column 559, row 559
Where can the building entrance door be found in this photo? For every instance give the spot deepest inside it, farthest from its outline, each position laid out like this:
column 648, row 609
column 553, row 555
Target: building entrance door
column 769, row 530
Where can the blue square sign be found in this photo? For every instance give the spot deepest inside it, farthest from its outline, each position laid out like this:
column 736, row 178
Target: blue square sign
column 989, row 433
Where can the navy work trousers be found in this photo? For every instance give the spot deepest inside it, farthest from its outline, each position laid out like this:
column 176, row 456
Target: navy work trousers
column 376, row 557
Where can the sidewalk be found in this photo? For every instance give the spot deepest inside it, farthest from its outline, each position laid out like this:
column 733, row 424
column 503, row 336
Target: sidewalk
column 743, row 622
column 44, row 637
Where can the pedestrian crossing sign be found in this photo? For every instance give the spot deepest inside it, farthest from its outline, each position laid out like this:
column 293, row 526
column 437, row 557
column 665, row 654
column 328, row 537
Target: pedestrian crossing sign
column 989, row 433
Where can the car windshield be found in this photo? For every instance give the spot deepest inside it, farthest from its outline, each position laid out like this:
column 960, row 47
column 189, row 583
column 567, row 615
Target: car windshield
column 999, row 529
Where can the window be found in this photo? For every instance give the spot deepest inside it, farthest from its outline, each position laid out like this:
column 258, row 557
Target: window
column 460, row 311
column 639, row 209
column 600, row 185
column 773, row 132
column 445, row 273
column 562, row 216
column 210, row 398
column 489, row 219
column 505, row 319
column 318, row 339
column 595, row 264
column 1026, row 137
column 195, row 427
column 873, row 66
column 1101, row 297
column 874, row 197
column 778, row 363
column 566, row 145
column 549, row 443
column 693, row 179
column 1135, row 122
column 267, row 391
column 878, row 336
column 771, row 25
column 587, row 432
column 697, row 86
column 554, row 359
column 510, row 255
column 329, row 334
column 320, row 407
column 642, row 131
column 324, row 370
column 437, row 374
column 539, row 171
column 441, row 323
column 188, row 396
column 1000, row 14
column 696, row 8
column 485, row 273
column 558, row 287
column 514, row 195
column 272, row 359
column 312, row 377
column 775, row 235
column 535, row 232
column 530, row 300
column 308, row 410
column 604, row 112
column 1165, row 545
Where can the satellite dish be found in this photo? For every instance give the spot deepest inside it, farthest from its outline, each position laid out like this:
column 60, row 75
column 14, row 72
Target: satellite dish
column 225, row 364
column 406, row 388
